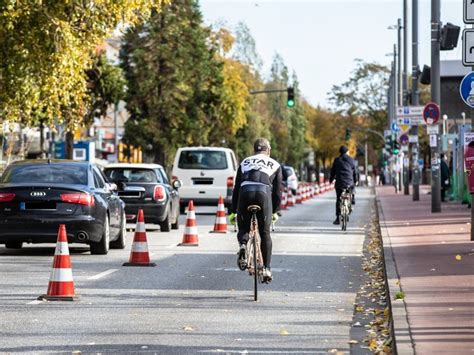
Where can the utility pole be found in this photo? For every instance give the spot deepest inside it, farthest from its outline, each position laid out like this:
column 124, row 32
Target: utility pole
column 436, row 98
column 116, row 140
column 399, row 63
column 406, row 167
column 415, row 98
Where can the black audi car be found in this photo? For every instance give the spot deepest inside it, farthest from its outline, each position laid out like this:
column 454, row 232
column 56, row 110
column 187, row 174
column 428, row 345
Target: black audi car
column 147, row 186
column 36, row 196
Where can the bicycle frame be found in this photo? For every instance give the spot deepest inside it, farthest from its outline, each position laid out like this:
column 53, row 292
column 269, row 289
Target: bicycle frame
column 254, row 254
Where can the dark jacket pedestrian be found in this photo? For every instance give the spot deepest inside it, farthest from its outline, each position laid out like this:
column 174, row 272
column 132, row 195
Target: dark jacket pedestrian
column 344, row 172
column 445, row 183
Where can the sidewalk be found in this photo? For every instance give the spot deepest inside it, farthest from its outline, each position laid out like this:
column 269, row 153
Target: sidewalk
column 437, row 315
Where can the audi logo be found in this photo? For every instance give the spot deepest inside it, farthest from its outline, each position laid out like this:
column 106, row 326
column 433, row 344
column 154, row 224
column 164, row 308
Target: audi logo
column 37, row 194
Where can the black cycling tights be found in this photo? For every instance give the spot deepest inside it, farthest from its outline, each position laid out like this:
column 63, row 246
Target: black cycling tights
column 256, row 195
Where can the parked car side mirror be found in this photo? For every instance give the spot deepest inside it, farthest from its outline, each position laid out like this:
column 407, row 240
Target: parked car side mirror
column 177, row 184
column 112, row 186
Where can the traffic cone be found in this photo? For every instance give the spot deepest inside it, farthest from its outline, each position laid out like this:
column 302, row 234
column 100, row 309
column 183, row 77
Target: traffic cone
column 139, row 255
column 190, row 237
column 220, row 226
column 291, row 201
column 298, row 195
column 61, row 284
column 284, row 199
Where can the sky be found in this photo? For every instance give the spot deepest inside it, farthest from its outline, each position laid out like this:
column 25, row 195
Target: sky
column 320, row 39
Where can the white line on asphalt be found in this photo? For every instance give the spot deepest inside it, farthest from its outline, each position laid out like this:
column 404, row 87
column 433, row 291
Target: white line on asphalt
column 227, row 351
column 35, row 302
column 235, row 269
column 102, row 274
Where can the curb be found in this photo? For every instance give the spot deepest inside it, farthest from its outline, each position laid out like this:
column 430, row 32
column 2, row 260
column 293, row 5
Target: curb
column 402, row 337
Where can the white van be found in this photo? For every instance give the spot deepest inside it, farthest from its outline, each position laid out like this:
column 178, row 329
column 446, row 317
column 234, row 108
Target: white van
column 206, row 173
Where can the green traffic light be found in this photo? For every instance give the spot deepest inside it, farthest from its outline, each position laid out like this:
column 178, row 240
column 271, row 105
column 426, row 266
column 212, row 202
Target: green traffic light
column 396, row 151
column 290, row 103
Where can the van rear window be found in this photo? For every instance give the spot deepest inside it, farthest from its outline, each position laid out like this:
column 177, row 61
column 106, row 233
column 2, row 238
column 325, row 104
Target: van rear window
column 202, row 160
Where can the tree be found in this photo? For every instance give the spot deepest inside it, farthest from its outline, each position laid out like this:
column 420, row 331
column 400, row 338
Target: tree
column 106, row 86
column 174, row 81
column 45, row 50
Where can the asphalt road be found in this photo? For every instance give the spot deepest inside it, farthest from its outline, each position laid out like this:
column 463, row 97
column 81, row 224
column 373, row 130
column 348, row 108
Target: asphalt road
column 195, row 300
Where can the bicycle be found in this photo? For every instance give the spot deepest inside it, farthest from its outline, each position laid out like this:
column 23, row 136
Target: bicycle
column 346, row 207
column 254, row 253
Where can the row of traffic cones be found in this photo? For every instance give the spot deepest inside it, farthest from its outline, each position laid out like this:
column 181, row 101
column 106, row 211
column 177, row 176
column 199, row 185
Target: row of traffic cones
column 304, row 192
column 61, row 283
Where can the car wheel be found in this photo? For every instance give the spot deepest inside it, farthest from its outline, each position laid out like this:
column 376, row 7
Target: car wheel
column 13, row 245
column 121, row 241
column 175, row 225
column 165, row 226
column 102, row 247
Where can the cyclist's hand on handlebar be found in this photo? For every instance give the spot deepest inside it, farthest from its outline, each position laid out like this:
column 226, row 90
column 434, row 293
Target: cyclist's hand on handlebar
column 275, row 217
column 233, row 218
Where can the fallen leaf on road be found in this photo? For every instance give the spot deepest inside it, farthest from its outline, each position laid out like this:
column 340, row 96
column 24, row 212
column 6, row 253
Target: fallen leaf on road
column 284, row 332
column 188, row 328
column 353, row 342
column 458, row 257
column 340, row 309
column 357, row 324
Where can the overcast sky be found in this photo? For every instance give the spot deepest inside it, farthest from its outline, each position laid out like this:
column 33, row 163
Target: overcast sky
column 320, row 39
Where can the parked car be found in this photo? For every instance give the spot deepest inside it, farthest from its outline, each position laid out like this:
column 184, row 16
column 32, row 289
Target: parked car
column 290, row 179
column 38, row 195
column 147, row 186
column 206, row 173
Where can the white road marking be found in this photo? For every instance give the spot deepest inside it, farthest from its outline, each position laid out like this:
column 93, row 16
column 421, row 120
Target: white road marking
column 227, row 351
column 35, row 302
column 102, row 274
column 236, row 269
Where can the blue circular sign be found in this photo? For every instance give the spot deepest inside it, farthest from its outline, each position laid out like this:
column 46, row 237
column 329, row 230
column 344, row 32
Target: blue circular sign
column 466, row 89
column 431, row 113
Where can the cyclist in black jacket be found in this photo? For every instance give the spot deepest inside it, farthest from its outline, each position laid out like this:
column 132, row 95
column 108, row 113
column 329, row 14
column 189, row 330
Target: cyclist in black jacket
column 344, row 172
column 258, row 182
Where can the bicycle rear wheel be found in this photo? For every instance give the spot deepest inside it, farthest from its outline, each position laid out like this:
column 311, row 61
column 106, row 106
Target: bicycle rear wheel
column 344, row 221
column 255, row 269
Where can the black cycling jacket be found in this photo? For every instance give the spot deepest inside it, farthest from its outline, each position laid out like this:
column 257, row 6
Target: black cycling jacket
column 259, row 169
column 344, row 172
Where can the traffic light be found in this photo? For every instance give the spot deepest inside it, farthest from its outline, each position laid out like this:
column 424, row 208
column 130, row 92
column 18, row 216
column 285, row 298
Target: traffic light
column 290, row 101
column 396, row 147
column 348, row 134
column 388, row 143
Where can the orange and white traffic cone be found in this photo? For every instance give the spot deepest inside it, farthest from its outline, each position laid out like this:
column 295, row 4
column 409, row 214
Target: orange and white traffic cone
column 61, row 284
column 298, row 195
column 139, row 255
column 284, row 199
column 291, row 201
column 190, row 237
column 220, row 226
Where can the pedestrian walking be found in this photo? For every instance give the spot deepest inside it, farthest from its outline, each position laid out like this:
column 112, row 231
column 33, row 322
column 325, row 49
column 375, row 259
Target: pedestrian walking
column 445, row 178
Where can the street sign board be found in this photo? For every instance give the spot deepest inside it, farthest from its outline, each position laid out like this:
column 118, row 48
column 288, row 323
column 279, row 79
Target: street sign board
column 404, row 140
column 413, row 139
column 410, row 115
column 468, row 11
column 468, row 47
column 431, row 113
column 433, row 140
column 387, row 133
column 466, row 89
column 432, row 129
column 404, row 148
column 394, row 127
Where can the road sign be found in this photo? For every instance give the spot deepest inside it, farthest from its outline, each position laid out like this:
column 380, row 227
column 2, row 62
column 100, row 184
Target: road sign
column 431, row 113
column 466, row 89
column 413, row 139
column 433, row 140
column 432, row 129
column 468, row 47
column 468, row 11
column 410, row 115
column 404, row 140
column 394, row 127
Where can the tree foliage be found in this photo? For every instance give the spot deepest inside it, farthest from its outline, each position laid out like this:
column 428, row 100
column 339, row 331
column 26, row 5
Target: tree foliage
column 45, row 50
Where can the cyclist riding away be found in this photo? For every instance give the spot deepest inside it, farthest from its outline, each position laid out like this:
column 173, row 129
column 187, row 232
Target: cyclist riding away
column 344, row 172
column 258, row 182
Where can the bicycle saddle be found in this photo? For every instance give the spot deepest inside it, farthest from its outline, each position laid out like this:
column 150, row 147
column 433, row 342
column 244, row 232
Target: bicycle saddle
column 253, row 208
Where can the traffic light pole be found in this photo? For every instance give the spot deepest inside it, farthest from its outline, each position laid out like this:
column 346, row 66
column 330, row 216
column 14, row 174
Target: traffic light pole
column 415, row 100
column 406, row 167
column 435, row 97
